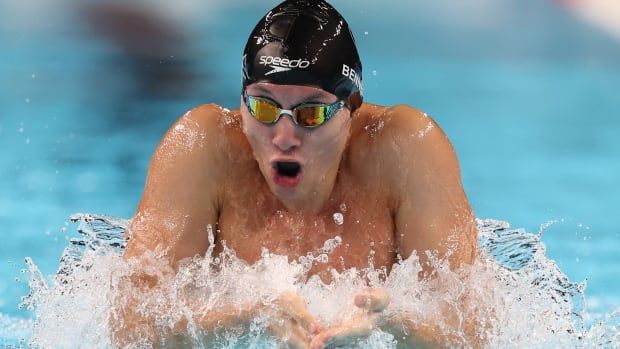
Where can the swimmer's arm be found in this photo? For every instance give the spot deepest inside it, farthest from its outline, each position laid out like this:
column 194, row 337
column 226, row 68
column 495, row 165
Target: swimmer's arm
column 131, row 326
column 287, row 316
column 180, row 199
column 372, row 304
column 431, row 210
column 173, row 217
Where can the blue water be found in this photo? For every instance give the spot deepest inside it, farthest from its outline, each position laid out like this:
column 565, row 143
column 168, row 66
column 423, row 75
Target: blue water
column 528, row 94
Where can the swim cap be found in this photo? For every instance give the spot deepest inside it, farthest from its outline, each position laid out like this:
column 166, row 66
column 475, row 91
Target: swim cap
column 305, row 42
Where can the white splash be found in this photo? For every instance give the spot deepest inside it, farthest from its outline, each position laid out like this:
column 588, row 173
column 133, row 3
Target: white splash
column 338, row 218
column 525, row 301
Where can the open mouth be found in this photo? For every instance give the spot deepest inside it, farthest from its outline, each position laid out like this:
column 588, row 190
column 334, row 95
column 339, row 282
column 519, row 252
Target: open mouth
column 287, row 168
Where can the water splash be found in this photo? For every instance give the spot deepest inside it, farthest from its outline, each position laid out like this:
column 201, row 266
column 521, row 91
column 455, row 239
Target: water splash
column 14, row 332
column 519, row 296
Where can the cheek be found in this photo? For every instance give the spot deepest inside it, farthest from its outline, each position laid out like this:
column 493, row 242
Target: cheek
column 257, row 136
column 330, row 142
column 253, row 130
column 258, row 143
column 339, row 133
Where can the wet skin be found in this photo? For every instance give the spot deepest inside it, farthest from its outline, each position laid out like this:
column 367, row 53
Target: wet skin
column 390, row 172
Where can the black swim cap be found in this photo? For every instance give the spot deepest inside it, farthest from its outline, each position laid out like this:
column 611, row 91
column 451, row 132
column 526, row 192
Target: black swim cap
column 305, row 42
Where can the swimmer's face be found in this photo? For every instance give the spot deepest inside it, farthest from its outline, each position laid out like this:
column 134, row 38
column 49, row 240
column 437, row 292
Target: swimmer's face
column 297, row 163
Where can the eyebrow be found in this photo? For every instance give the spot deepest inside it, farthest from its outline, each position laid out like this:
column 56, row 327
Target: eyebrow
column 263, row 91
column 314, row 97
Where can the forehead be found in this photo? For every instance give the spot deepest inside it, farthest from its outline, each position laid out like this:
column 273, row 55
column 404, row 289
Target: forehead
column 290, row 92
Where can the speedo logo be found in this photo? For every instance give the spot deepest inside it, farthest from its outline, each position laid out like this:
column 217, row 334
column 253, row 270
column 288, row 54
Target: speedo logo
column 280, row 64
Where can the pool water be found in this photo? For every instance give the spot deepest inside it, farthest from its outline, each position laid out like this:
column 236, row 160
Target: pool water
column 527, row 93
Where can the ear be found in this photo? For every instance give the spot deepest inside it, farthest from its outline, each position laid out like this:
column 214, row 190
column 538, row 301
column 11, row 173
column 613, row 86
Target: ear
column 354, row 102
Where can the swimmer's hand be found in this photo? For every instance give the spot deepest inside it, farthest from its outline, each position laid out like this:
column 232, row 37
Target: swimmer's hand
column 291, row 321
column 372, row 302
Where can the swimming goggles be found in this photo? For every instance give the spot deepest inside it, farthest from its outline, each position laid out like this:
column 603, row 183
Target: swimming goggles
column 306, row 115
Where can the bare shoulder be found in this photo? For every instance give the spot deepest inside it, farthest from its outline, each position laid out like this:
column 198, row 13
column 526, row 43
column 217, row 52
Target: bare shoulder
column 204, row 125
column 405, row 123
column 181, row 196
column 200, row 135
column 408, row 154
column 399, row 137
column 213, row 115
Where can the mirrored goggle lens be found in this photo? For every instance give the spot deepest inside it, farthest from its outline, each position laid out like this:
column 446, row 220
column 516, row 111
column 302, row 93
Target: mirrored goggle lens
column 262, row 110
column 305, row 115
column 311, row 116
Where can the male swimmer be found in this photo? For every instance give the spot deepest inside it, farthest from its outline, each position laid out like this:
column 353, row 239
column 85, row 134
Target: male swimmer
column 271, row 174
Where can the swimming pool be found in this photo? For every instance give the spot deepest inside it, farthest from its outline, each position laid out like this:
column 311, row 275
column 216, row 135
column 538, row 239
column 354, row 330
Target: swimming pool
column 531, row 110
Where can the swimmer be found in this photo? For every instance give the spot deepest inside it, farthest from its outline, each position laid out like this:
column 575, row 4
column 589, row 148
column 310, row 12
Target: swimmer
column 272, row 174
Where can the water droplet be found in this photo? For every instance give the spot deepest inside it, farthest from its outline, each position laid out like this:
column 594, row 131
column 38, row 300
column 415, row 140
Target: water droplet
column 374, row 72
column 33, row 75
column 365, row 33
column 338, row 218
column 27, row 100
column 21, row 130
column 343, row 207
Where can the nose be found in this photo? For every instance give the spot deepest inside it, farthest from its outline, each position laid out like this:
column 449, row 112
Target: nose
column 285, row 136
